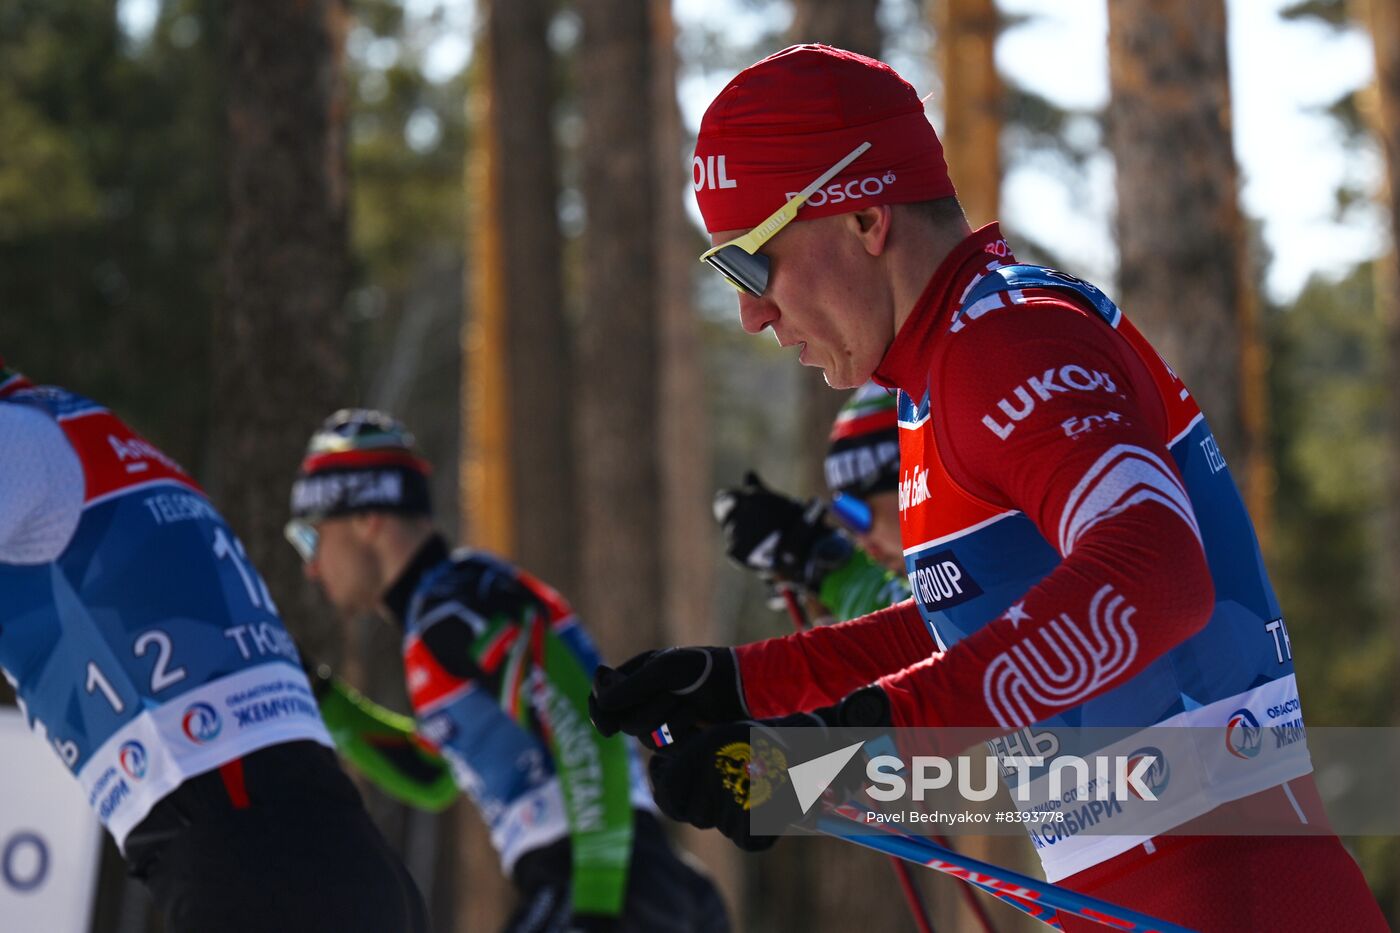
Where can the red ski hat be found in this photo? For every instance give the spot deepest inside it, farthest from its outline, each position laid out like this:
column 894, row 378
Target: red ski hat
column 785, row 120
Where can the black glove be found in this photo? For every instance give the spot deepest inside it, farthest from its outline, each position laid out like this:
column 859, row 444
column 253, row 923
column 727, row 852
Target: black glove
column 592, row 923
column 721, row 777
column 778, row 536
column 680, row 688
column 715, row 779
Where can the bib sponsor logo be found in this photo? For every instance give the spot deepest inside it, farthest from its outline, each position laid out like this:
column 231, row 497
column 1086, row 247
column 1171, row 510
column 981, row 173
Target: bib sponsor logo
column 913, row 488
column 270, row 702
column 1283, row 648
column 710, row 172
column 438, row 729
column 133, row 759
column 1242, row 734
column 136, row 454
column 1023, row 400
column 1288, row 733
column 1076, row 426
column 837, row 192
column 940, row 582
column 201, row 723
column 1214, row 458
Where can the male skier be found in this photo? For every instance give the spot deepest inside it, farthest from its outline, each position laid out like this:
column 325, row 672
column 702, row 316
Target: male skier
column 498, row 671
column 146, row 650
column 797, row 546
column 1078, row 553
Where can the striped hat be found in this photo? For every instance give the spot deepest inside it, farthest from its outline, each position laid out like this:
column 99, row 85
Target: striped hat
column 863, row 458
column 360, row 460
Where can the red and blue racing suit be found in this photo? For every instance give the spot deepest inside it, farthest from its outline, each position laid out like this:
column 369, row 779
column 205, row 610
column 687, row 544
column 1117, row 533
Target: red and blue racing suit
column 1080, row 557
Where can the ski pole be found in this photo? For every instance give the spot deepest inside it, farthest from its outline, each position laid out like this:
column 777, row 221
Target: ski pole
column 799, row 621
column 906, row 881
column 1040, row 899
column 911, row 894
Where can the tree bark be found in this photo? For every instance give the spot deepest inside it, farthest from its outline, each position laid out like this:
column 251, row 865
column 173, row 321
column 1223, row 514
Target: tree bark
column 540, row 372
column 619, row 335
column 280, row 361
column 1185, row 278
column 1382, row 17
column 519, row 475
column 487, row 488
column 846, row 24
column 965, row 32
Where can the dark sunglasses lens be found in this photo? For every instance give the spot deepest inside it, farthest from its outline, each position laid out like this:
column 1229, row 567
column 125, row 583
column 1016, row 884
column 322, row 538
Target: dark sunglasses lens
column 746, row 270
column 852, row 512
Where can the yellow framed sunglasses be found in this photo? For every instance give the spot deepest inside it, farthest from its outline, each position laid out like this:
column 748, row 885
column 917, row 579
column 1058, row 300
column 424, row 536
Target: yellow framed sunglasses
column 739, row 260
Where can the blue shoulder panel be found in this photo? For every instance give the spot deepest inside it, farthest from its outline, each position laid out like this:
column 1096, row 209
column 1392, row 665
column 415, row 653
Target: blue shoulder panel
column 1017, row 276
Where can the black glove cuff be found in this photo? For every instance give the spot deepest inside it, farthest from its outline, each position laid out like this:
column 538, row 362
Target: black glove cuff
column 866, row 708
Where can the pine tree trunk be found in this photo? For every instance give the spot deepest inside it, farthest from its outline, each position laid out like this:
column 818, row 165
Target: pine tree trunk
column 1185, row 278
column 537, row 354
column 280, row 359
column 518, row 476
column 619, row 335
column 1383, row 19
column 486, row 478
column 965, row 32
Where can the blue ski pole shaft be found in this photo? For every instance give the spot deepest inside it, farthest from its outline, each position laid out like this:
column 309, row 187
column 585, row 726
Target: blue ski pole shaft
column 1040, row 899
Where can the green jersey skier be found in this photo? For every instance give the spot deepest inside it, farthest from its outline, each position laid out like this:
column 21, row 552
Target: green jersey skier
column 498, row 671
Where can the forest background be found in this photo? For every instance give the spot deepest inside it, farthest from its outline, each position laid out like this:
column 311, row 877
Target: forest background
column 227, row 218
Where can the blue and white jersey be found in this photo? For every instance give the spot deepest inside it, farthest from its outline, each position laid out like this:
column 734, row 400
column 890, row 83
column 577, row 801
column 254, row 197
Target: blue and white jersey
column 143, row 645
column 506, row 704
